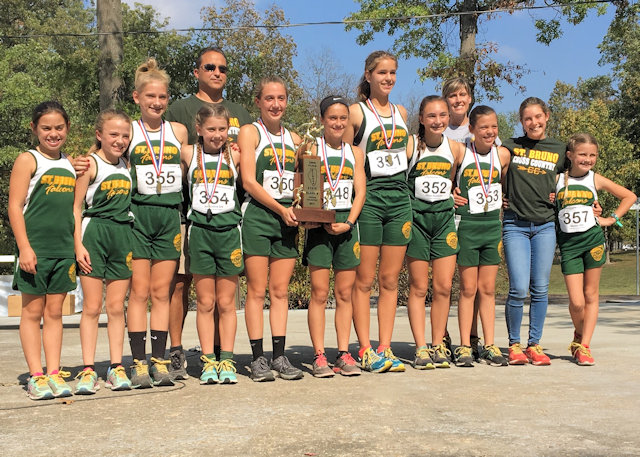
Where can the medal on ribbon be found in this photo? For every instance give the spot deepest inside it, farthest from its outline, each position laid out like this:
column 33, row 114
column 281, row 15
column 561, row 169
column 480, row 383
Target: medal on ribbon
column 280, row 168
column 485, row 189
column 388, row 141
column 156, row 162
column 333, row 184
column 209, row 195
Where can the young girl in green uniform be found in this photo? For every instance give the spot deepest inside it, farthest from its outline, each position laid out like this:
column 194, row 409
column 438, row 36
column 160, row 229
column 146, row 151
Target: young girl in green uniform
column 479, row 179
column 157, row 191
column 269, row 227
column 385, row 221
column 103, row 246
column 214, row 238
column 41, row 215
column 434, row 240
column 581, row 239
column 335, row 244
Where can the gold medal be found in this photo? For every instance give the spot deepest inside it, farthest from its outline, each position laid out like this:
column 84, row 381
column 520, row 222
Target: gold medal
column 158, row 187
column 389, row 159
column 281, row 186
column 333, row 200
column 486, row 206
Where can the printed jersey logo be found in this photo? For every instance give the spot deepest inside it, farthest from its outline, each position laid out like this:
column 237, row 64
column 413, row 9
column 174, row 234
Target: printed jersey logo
column 452, row 240
column 471, row 175
column 575, row 197
column 406, row 230
column 142, row 151
column 356, row 250
column 129, row 261
column 347, row 171
column 224, row 178
column 501, row 249
column 115, row 187
column 268, row 153
column 534, row 161
column 177, row 242
column 597, row 253
column 56, row 183
column 376, row 139
column 236, row 257
column 72, row 272
column 434, row 168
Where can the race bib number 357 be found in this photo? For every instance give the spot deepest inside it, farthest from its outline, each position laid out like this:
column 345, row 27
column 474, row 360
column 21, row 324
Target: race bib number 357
column 576, row 218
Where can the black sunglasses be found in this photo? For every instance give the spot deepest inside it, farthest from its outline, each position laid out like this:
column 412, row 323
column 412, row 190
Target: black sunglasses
column 212, row 67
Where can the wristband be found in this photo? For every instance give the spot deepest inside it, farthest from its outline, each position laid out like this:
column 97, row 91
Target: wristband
column 618, row 222
column 350, row 224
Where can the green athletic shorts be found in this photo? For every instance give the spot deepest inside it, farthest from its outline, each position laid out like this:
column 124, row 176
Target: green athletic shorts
column 324, row 250
column 109, row 245
column 386, row 218
column 215, row 253
column 576, row 262
column 156, row 231
column 480, row 242
column 53, row 276
column 433, row 236
column 265, row 234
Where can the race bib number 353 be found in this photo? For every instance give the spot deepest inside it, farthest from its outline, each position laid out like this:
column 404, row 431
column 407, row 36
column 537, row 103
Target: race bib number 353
column 169, row 180
column 481, row 203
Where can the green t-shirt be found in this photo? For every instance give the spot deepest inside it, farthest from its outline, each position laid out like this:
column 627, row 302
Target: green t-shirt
column 184, row 111
column 532, row 176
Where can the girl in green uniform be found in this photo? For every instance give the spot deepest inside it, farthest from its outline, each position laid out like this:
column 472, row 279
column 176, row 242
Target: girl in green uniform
column 434, row 240
column 269, row 227
column 479, row 180
column 335, row 244
column 157, row 191
column 103, row 246
column 41, row 215
column 215, row 250
column 385, row 221
column 581, row 239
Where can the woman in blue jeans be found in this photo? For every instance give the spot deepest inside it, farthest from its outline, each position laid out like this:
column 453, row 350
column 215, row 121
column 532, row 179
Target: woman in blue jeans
column 528, row 231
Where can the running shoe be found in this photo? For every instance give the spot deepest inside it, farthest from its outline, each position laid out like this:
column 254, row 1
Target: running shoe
column 227, row 372
column 260, row 371
column 284, row 368
column 516, row 356
column 140, row 378
column 476, row 347
column 491, row 355
column 441, row 356
column 396, row 364
column 38, row 388
column 423, row 360
column 178, row 367
column 320, row 368
column 160, row 373
column 346, row 365
column 209, row 371
column 463, row 356
column 536, row 356
column 373, row 362
column 88, row 382
column 58, row 385
column 117, row 379
column 581, row 354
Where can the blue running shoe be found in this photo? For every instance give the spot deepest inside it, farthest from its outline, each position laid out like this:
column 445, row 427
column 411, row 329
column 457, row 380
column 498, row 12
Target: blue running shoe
column 38, row 388
column 396, row 364
column 117, row 379
column 209, row 371
column 58, row 385
column 374, row 363
column 227, row 372
column 88, row 383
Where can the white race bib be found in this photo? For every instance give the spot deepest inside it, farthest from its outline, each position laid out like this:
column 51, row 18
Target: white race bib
column 170, row 179
column 278, row 187
column 221, row 202
column 341, row 197
column 576, row 218
column 387, row 162
column 479, row 204
column 432, row 188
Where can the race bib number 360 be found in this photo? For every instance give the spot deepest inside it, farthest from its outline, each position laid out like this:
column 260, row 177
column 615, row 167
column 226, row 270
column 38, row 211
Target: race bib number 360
column 481, row 203
column 576, row 218
column 432, row 188
column 387, row 162
column 278, row 187
column 169, row 180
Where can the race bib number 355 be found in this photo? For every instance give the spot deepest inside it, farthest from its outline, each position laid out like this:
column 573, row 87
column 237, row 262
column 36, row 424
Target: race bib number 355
column 278, row 187
column 169, row 180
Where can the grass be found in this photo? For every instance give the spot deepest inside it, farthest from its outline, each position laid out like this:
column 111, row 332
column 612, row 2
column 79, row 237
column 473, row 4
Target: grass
column 618, row 277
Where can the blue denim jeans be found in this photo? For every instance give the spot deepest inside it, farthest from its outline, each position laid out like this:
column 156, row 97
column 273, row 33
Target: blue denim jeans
column 529, row 250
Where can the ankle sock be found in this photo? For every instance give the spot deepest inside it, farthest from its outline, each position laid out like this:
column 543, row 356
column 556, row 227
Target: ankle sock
column 225, row 355
column 138, row 342
column 362, row 350
column 256, row 348
column 158, row 343
column 278, row 346
column 175, row 348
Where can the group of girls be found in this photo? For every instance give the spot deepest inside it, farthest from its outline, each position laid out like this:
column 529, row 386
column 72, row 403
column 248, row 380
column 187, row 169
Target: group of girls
column 434, row 199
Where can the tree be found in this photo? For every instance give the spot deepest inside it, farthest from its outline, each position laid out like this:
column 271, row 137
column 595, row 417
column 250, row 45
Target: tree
column 109, row 14
column 428, row 37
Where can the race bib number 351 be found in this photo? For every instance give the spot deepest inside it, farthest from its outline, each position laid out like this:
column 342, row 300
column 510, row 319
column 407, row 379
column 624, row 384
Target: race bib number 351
column 169, row 180
column 387, row 162
column 278, row 187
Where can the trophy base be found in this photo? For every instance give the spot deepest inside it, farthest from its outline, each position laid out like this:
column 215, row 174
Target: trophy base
column 315, row 215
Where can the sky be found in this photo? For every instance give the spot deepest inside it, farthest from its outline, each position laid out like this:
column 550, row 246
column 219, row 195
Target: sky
column 575, row 55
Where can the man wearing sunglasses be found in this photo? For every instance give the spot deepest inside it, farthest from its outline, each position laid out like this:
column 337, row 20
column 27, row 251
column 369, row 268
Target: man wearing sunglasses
column 211, row 73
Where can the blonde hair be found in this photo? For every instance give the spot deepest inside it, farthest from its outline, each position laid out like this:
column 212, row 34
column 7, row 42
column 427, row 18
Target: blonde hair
column 574, row 141
column 455, row 84
column 270, row 79
column 370, row 63
column 104, row 116
column 150, row 71
column 204, row 113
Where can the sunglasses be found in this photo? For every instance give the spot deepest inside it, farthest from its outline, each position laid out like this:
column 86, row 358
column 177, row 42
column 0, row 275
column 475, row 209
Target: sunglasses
column 212, row 67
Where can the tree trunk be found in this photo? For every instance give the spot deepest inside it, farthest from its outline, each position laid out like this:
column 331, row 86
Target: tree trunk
column 109, row 15
column 468, row 31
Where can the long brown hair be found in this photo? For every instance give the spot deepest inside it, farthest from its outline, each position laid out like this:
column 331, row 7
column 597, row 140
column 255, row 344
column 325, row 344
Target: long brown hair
column 371, row 62
column 422, row 144
column 206, row 112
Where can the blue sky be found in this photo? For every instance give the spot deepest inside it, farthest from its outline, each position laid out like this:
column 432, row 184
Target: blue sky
column 573, row 56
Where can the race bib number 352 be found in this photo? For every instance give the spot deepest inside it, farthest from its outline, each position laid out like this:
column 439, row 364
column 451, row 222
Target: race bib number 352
column 432, row 188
